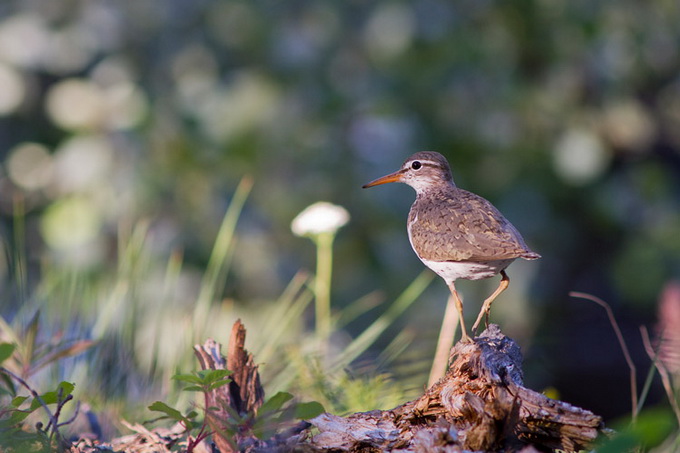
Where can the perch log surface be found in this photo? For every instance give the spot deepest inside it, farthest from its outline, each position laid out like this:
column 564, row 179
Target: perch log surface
column 479, row 405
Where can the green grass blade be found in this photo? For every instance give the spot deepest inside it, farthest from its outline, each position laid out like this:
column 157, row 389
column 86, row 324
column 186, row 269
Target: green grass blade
column 371, row 334
column 218, row 264
column 396, row 347
column 358, row 308
column 19, row 255
column 9, row 335
column 290, row 307
column 110, row 308
column 173, row 271
column 646, row 387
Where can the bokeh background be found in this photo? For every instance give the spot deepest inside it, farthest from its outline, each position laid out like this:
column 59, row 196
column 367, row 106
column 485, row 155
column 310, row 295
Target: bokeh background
column 125, row 128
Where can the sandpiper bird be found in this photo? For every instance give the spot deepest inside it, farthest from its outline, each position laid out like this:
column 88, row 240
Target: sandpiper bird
column 454, row 232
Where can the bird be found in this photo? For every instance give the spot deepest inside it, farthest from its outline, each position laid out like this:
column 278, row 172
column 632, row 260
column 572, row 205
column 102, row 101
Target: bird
column 456, row 233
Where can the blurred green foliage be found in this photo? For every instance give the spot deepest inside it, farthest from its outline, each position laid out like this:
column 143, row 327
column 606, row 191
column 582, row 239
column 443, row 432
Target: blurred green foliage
column 652, row 428
column 125, row 128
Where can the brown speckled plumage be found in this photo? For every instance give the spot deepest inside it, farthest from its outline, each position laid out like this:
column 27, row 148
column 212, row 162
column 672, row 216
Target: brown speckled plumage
column 454, row 232
column 452, row 224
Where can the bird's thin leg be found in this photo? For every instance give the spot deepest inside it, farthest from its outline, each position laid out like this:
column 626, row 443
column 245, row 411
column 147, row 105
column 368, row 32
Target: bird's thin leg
column 486, row 307
column 459, row 307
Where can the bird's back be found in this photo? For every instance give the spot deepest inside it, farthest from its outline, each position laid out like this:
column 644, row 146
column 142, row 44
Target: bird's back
column 457, row 225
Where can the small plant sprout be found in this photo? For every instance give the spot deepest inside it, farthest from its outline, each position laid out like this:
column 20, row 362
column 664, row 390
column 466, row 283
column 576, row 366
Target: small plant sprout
column 320, row 222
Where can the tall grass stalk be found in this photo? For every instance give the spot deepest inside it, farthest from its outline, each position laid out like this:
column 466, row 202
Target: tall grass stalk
column 371, row 334
column 357, row 308
column 396, row 347
column 112, row 303
column 173, row 270
column 322, row 285
column 290, row 307
column 291, row 372
column 220, row 258
column 18, row 257
column 120, row 300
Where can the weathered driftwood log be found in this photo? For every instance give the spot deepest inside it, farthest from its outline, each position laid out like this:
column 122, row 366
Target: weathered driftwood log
column 480, row 405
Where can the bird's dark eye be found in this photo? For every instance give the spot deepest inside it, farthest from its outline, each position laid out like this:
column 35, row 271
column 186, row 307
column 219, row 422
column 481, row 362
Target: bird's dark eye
column 416, row 165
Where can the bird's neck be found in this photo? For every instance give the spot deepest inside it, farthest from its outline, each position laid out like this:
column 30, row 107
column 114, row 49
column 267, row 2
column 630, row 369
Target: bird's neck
column 428, row 188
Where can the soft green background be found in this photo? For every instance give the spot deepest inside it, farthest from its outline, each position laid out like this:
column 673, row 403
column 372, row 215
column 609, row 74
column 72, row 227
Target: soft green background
column 126, row 127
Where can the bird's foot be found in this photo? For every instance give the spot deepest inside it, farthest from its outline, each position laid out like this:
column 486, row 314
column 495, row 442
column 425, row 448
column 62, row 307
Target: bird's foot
column 476, row 326
column 466, row 338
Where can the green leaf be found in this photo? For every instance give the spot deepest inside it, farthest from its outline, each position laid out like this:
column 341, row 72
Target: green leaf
column 171, row 412
column 47, row 398
column 211, row 376
column 219, row 384
column 54, row 397
column 275, row 403
column 305, row 411
column 14, row 419
column 19, row 400
column 653, row 426
column 188, row 378
column 66, row 388
column 8, row 384
column 193, row 388
column 620, row 442
column 30, row 335
column 6, row 351
column 204, row 380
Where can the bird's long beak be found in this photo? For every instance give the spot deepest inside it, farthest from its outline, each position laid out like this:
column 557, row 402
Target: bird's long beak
column 392, row 177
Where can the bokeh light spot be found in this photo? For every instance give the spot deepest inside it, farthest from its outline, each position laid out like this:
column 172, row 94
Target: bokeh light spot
column 13, row 89
column 247, row 102
column 627, row 125
column 580, row 156
column 70, row 223
column 76, row 104
column 30, row 166
column 126, row 106
column 69, row 50
column 390, row 31
column 24, row 39
column 81, row 162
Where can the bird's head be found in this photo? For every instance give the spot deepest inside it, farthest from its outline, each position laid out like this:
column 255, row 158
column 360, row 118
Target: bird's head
column 422, row 171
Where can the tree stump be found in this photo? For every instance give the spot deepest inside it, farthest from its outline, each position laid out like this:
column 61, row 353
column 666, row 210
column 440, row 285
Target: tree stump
column 243, row 395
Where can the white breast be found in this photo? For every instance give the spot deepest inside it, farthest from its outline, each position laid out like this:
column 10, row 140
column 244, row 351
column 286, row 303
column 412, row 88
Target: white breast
column 453, row 270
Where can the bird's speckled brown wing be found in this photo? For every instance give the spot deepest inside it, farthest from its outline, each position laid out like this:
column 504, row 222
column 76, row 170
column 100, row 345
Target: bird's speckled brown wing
column 458, row 225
